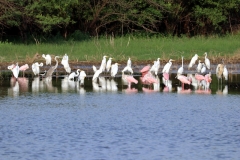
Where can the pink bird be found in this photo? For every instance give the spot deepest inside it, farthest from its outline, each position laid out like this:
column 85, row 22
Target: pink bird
column 184, row 80
column 166, row 76
column 199, row 77
column 208, row 78
column 145, row 70
column 23, row 68
column 130, row 79
column 149, row 79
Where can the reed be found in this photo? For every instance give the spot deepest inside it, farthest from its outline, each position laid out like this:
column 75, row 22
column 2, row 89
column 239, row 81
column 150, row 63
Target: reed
column 120, row 48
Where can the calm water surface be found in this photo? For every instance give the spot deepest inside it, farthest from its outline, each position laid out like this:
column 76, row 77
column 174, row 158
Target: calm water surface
column 61, row 120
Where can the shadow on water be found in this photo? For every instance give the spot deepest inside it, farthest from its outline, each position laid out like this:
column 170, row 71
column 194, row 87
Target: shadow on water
column 12, row 87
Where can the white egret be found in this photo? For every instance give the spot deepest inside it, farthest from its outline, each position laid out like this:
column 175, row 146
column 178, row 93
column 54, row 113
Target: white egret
column 81, row 77
column 155, row 67
column 199, row 66
column 73, row 75
column 167, row 66
column 193, row 60
column 181, row 69
column 94, row 68
column 48, row 59
column 96, row 74
column 109, row 63
column 14, row 69
column 114, row 69
column 225, row 73
column 103, row 64
column 35, row 68
column 203, row 70
column 207, row 61
column 65, row 63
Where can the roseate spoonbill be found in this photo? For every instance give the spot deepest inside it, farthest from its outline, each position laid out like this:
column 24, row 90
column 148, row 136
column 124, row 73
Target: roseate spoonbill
column 35, row 68
column 145, row 70
column 109, row 63
column 181, row 69
column 114, row 69
column 65, row 63
column 167, row 66
column 53, row 68
column 199, row 66
column 103, row 63
column 199, row 78
column 73, row 75
column 81, row 77
column 48, row 59
column 193, row 60
column 207, row 61
column 23, row 68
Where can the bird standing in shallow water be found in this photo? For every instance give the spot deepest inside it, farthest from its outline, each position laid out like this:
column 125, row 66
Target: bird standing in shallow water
column 207, row 61
column 167, row 66
column 193, row 60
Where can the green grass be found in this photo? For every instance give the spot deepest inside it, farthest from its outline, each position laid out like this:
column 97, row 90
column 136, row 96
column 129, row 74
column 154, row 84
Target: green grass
column 139, row 49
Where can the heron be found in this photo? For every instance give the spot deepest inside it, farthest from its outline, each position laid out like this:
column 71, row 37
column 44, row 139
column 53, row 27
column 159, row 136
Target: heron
column 181, row 69
column 53, row 68
column 35, row 68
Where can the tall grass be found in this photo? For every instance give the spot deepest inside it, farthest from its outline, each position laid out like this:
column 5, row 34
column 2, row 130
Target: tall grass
column 139, row 49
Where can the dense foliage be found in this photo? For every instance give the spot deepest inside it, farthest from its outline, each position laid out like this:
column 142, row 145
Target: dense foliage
column 46, row 18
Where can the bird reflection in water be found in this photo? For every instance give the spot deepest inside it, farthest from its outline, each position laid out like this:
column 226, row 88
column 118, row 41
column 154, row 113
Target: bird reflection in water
column 18, row 85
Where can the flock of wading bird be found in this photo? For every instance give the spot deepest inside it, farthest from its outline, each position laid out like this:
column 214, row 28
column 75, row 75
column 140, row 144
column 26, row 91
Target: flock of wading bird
column 150, row 74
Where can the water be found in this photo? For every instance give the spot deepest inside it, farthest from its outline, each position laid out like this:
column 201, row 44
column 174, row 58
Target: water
column 61, row 120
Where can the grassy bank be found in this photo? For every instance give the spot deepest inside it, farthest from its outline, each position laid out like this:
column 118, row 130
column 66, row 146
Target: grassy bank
column 139, row 49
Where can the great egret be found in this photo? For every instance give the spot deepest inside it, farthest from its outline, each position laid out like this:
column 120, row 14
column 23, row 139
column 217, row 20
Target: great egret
column 81, row 77
column 52, row 69
column 155, row 67
column 65, row 63
column 203, row 70
column 94, row 68
column 48, row 59
column 181, row 69
column 23, row 68
column 103, row 64
column 199, row 66
column 167, row 66
column 35, row 68
column 114, row 69
column 183, row 79
column 225, row 72
column 14, row 69
column 193, row 60
column 207, row 61
column 73, row 75
column 96, row 74
column 109, row 63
